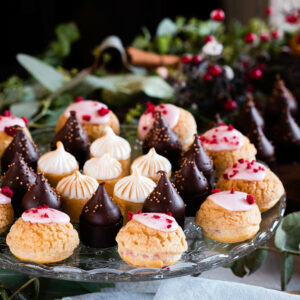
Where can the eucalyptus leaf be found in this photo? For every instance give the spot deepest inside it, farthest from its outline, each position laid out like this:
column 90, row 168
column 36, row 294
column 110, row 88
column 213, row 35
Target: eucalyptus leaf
column 254, row 260
column 46, row 75
column 286, row 269
column 155, row 86
column 166, row 27
column 287, row 236
column 27, row 109
column 238, row 268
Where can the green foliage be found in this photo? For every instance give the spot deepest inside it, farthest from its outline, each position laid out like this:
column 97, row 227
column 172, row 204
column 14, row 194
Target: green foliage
column 286, row 269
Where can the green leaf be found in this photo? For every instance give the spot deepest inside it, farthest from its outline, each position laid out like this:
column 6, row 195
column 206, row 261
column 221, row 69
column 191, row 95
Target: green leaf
column 254, row 260
column 27, row 109
column 287, row 236
column 3, row 294
column 155, row 86
column 286, row 269
column 46, row 75
column 238, row 268
column 166, row 27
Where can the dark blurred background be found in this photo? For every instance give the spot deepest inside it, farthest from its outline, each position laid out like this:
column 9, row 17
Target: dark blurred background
column 27, row 26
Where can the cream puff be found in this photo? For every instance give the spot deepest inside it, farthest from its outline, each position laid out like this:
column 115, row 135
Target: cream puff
column 57, row 164
column 226, row 145
column 151, row 240
column 42, row 235
column 130, row 192
column 229, row 216
column 6, row 209
column 105, row 169
column 150, row 163
column 117, row 146
column 253, row 178
column 94, row 116
column 178, row 119
column 75, row 190
column 6, row 135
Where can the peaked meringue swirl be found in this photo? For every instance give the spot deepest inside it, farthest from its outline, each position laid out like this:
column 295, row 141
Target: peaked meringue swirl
column 77, row 186
column 150, row 163
column 117, row 146
column 134, row 188
column 58, row 161
column 103, row 167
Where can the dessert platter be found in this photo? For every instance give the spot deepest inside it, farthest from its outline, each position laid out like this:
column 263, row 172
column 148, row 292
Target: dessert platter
column 91, row 200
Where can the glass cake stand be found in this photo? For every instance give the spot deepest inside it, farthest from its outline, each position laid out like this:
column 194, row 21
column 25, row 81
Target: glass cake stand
column 105, row 265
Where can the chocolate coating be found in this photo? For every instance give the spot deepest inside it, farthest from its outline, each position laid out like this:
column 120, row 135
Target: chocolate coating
column 265, row 149
column 279, row 94
column 203, row 162
column 100, row 220
column 40, row 193
column 247, row 115
column 164, row 140
column 74, row 139
column 165, row 199
column 22, row 144
column 19, row 177
column 192, row 186
column 286, row 136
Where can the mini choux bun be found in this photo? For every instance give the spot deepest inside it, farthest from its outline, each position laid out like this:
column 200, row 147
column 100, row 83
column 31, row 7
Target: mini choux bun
column 152, row 240
column 94, row 116
column 229, row 217
column 178, row 119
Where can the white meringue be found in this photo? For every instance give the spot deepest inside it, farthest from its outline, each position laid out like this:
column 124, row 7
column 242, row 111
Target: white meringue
column 150, row 163
column 77, row 186
column 117, row 146
column 134, row 188
column 58, row 161
column 103, row 167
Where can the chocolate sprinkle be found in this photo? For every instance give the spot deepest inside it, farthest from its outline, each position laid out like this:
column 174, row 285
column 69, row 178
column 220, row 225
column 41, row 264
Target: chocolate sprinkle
column 100, row 220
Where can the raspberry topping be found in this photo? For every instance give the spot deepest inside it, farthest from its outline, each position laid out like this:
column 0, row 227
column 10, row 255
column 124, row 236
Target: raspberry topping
column 25, row 120
column 6, row 113
column 86, row 118
column 79, row 99
column 6, row 191
column 213, row 191
column 250, row 199
column 103, row 111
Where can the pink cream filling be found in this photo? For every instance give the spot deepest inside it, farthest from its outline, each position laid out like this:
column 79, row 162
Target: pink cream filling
column 45, row 215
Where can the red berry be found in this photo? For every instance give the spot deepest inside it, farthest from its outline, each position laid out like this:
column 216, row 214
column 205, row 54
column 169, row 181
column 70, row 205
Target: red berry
column 291, row 18
column 214, row 70
column 6, row 191
column 232, row 191
column 207, row 77
column 79, row 99
column 275, row 34
column 264, row 37
column 130, row 215
column 230, row 105
column 255, row 73
column 6, row 113
column 150, row 108
column 196, row 60
column 230, row 127
column 250, row 37
column 103, row 111
column 209, row 38
column 213, row 191
column 186, row 59
column 250, row 199
column 169, row 214
column 241, row 161
column 156, row 217
column 25, row 120
column 86, row 118
column 269, row 11
column 217, row 15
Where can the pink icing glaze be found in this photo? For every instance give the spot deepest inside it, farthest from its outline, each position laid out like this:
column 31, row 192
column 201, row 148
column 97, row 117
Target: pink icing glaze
column 45, row 215
column 88, row 108
column 236, row 201
column 157, row 221
column 4, row 199
column 169, row 111
column 222, row 138
column 245, row 170
column 10, row 121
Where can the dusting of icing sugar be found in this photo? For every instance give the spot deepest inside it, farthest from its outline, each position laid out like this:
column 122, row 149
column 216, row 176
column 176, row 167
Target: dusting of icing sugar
column 45, row 215
column 170, row 113
column 158, row 221
column 233, row 201
column 89, row 111
column 10, row 121
column 246, row 170
column 222, row 138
